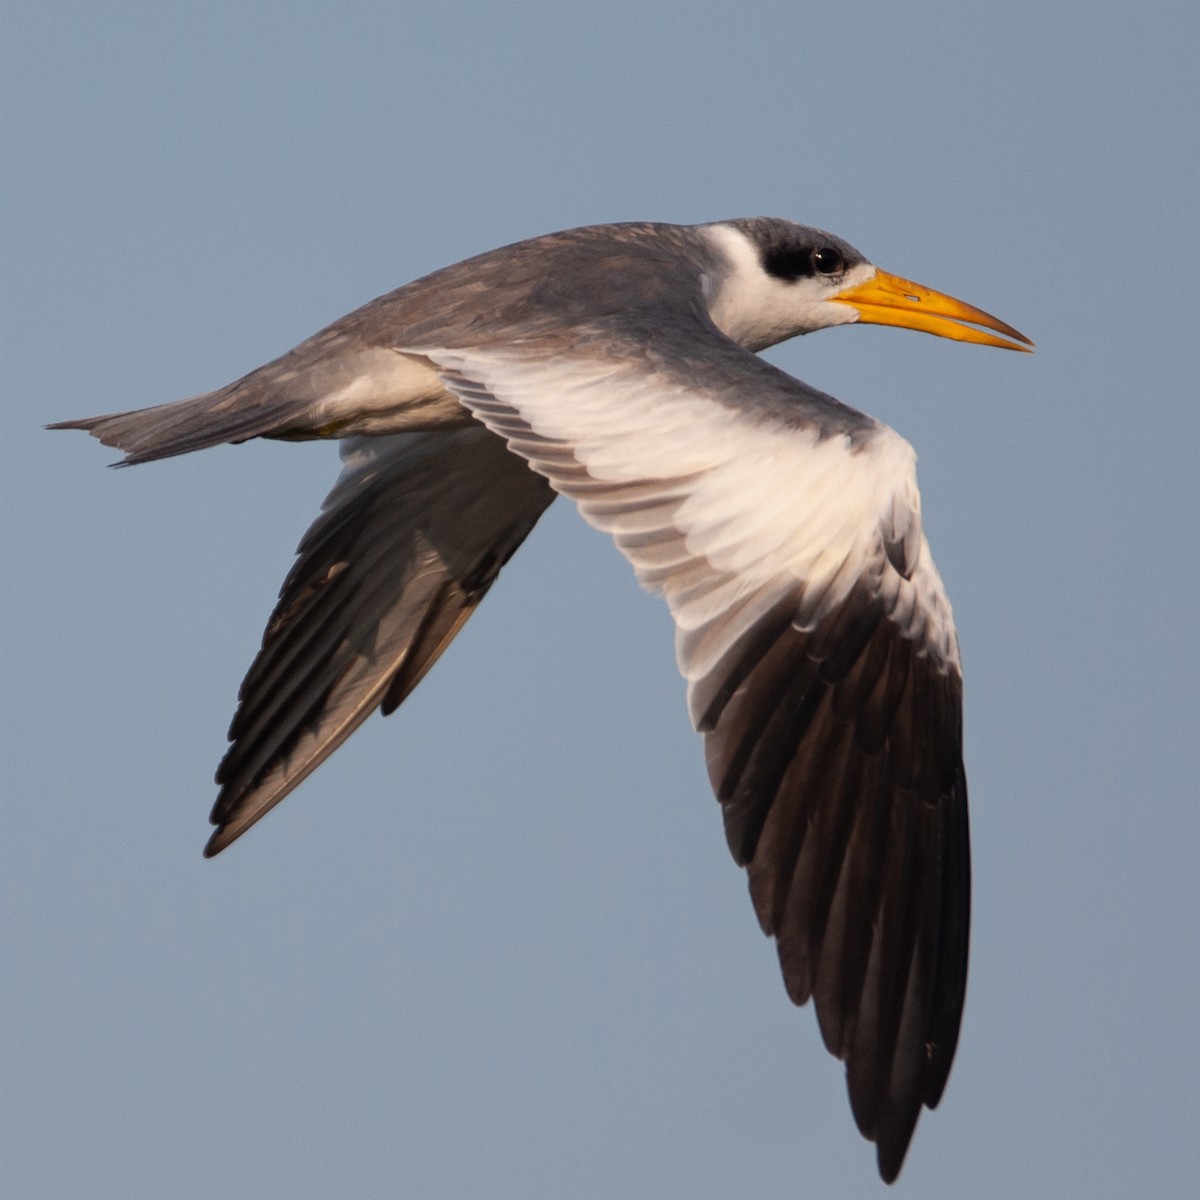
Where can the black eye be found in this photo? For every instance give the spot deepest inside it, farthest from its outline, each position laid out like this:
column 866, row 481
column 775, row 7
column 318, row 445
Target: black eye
column 790, row 261
column 827, row 261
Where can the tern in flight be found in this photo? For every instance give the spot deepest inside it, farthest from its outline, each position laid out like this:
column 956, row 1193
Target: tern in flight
column 617, row 365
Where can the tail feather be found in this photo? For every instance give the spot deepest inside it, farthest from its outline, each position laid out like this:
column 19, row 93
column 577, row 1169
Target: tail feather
column 226, row 415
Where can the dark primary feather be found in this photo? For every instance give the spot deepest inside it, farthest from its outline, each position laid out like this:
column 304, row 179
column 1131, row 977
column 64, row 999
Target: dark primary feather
column 837, row 758
column 408, row 545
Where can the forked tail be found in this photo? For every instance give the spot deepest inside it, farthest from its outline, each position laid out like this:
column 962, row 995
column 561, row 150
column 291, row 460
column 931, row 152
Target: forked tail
column 227, row 415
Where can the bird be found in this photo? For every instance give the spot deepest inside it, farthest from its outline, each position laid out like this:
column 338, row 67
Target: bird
column 618, row 365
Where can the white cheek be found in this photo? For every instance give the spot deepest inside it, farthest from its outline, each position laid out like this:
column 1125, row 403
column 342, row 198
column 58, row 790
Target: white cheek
column 757, row 310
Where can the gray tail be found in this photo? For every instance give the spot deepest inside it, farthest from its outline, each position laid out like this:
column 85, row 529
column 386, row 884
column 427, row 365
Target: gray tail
column 227, row 415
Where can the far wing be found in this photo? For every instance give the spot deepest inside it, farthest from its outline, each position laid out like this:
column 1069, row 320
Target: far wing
column 411, row 538
column 821, row 661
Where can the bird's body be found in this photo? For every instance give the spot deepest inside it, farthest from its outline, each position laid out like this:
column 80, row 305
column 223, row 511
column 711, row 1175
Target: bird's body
column 782, row 528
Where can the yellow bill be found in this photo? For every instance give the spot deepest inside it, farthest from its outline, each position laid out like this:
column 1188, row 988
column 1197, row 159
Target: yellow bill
column 889, row 300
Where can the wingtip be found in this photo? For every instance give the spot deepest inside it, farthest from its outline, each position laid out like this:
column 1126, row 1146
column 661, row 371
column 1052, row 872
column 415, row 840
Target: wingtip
column 889, row 1164
column 892, row 1145
column 221, row 838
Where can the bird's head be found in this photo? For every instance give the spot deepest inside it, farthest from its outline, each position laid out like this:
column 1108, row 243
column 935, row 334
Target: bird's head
column 783, row 279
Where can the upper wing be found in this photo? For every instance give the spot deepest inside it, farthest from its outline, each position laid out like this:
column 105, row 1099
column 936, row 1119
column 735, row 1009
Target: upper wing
column 821, row 661
column 411, row 538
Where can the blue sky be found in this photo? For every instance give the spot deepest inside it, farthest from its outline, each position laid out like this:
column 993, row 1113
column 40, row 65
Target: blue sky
column 496, row 946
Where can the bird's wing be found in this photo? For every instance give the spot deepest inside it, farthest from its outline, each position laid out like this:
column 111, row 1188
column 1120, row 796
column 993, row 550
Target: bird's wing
column 821, row 663
column 410, row 539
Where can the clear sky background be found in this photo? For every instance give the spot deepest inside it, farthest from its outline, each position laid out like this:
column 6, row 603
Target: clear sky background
column 496, row 947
